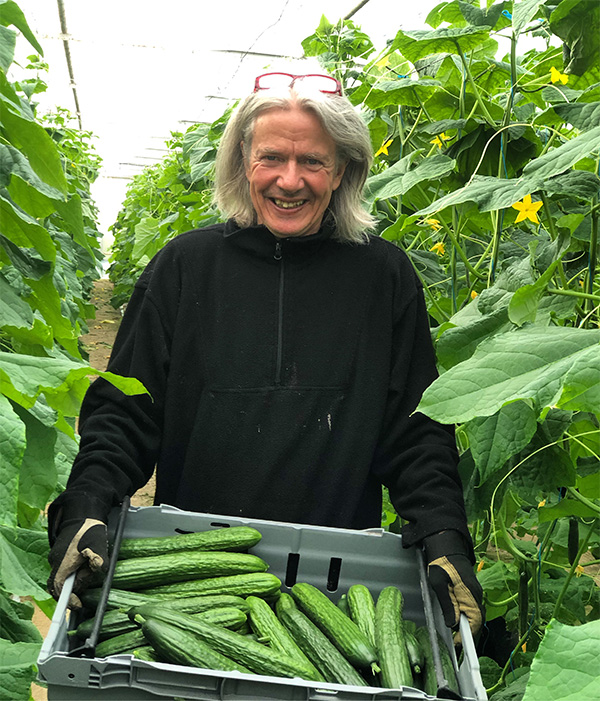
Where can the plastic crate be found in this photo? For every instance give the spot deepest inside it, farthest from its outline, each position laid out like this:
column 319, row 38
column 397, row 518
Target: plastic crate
column 329, row 558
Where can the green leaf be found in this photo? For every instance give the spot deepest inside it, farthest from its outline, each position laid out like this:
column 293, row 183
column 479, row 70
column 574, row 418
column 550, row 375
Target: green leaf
column 15, row 621
column 24, row 562
column 515, row 687
column 581, row 115
column 8, row 40
column 523, row 12
column 147, row 237
column 566, row 663
column 405, row 91
column 434, row 167
column 537, row 365
column 574, row 183
column 11, row 13
column 24, row 378
column 577, row 23
column 17, row 669
column 38, row 471
column 565, row 156
column 564, row 508
column 12, row 449
column 24, row 230
column 33, row 140
column 25, row 260
column 494, row 439
column 418, row 44
column 14, row 311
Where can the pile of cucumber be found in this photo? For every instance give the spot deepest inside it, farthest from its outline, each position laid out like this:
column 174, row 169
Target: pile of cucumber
column 201, row 600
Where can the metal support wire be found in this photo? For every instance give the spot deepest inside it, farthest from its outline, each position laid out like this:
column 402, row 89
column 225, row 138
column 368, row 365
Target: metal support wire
column 65, row 34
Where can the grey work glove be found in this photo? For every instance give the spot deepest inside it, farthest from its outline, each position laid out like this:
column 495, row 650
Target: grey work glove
column 78, row 543
column 452, row 577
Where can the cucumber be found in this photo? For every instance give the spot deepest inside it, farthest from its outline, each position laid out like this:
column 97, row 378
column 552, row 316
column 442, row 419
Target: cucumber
column 362, row 610
column 316, row 645
column 415, row 654
column 340, row 629
column 393, row 655
column 342, row 604
column 226, row 616
column 257, row 657
column 147, row 653
column 428, row 674
column 447, row 665
column 182, row 647
column 120, row 644
column 258, row 583
column 114, row 622
column 269, row 628
column 117, row 598
column 143, row 572
column 227, row 539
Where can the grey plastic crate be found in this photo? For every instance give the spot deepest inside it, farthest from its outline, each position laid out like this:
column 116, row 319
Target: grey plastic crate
column 330, row 559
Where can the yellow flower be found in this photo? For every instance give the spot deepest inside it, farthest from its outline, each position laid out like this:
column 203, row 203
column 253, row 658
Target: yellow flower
column 556, row 76
column 579, row 571
column 439, row 140
column 473, row 294
column 542, row 503
column 527, row 210
column 434, row 224
column 439, row 248
column 480, row 565
column 524, row 647
column 384, row 148
column 383, row 62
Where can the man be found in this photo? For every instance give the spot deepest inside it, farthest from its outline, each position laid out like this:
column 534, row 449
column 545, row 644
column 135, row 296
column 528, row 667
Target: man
column 284, row 352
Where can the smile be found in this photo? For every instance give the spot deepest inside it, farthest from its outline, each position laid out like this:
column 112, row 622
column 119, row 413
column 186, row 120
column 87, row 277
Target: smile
column 288, row 205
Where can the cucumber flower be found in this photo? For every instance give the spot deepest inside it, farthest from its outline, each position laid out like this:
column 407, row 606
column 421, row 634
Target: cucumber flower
column 556, row 76
column 384, row 148
column 434, row 224
column 527, row 210
column 439, row 248
column 439, row 140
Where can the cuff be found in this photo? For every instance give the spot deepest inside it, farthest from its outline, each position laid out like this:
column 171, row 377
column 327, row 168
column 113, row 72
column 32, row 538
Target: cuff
column 447, row 543
column 74, row 506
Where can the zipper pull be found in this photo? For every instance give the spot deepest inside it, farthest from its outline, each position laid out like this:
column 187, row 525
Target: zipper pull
column 278, row 255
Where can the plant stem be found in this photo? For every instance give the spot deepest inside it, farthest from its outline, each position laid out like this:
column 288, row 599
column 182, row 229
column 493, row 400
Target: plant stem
column 573, row 293
column 584, row 500
column 473, row 84
column 592, row 253
column 571, row 572
column 551, row 227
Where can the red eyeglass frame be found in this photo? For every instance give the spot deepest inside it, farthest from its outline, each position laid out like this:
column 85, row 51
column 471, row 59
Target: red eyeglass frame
column 337, row 91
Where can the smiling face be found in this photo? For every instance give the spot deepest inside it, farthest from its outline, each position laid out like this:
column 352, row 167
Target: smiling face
column 292, row 171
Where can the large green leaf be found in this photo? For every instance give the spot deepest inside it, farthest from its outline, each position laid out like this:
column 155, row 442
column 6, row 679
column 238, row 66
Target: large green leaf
column 17, row 669
column 523, row 12
column 34, row 141
column 11, row 13
column 383, row 186
column 24, row 231
column 63, row 382
column 542, row 366
column 565, row 667
column 15, row 621
column 12, row 449
column 24, row 567
column 14, row 311
column 577, row 23
column 491, row 193
column 494, row 439
column 8, row 40
column 404, row 91
column 418, row 44
column 582, row 115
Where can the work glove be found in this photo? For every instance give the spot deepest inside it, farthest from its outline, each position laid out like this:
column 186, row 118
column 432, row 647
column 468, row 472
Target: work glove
column 452, row 577
column 79, row 543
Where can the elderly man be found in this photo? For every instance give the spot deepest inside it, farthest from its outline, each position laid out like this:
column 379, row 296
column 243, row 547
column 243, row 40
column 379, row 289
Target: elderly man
column 285, row 352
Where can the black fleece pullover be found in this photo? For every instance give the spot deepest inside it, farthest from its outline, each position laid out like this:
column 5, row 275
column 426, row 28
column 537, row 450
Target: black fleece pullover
column 283, row 376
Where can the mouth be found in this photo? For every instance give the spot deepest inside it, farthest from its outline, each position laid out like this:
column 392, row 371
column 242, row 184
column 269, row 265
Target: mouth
column 284, row 204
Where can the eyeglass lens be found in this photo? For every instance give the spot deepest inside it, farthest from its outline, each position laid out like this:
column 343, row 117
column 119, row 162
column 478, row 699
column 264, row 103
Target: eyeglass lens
column 322, row 83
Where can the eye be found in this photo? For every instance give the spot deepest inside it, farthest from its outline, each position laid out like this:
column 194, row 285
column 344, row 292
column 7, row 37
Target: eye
column 313, row 162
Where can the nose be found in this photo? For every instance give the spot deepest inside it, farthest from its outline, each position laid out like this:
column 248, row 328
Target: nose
column 290, row 176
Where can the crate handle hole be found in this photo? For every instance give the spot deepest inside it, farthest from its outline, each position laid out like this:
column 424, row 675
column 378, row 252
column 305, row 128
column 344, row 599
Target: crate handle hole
column 291, row 571
column 333, row 577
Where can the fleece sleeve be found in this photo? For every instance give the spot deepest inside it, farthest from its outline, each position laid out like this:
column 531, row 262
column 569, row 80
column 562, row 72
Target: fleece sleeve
column 417, row 457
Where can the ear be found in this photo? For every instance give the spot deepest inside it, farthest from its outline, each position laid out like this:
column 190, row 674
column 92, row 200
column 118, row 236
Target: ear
column 339, row 175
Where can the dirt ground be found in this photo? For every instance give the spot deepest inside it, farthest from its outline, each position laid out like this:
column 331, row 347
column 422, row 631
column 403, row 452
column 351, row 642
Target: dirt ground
column 98, row 342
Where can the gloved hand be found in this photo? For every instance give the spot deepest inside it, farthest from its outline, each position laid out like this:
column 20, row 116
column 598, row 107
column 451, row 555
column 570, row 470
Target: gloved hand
column 452, row 577
column 81, row 546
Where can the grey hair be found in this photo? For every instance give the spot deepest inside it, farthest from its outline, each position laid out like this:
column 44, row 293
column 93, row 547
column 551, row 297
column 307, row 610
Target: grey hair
column 353, row 147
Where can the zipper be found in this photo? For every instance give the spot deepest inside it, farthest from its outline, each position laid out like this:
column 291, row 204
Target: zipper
column 278, row 256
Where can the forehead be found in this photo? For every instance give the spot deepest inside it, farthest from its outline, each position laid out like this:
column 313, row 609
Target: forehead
column 291, row 128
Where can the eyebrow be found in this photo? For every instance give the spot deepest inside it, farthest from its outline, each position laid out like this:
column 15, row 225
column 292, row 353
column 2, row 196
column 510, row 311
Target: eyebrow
column 275, row 152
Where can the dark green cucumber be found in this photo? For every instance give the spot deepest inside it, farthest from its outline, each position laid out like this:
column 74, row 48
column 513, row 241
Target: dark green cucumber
column 342, row 604
column 120, row 644
column 362, row 610
column 270, row 629
column 226, row 616
column 117, row 598
column 256, row 656
column 182, row 647
column 316, row 645
column 147, row 653
column 415, row 654
column 447, row 665
column 114, row 622
column 262, row 584
column 231, row 539
column 340, row 629
column 143, row 572
column 393, row 655
column 428, row 677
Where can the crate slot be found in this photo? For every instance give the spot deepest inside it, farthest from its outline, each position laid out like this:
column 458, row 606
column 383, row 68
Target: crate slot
column 333, row 576
column 291, row 570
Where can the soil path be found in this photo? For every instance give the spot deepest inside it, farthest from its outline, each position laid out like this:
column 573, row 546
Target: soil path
column 98, row 343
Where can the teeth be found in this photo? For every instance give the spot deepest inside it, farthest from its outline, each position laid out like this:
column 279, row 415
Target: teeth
column 288, row 205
